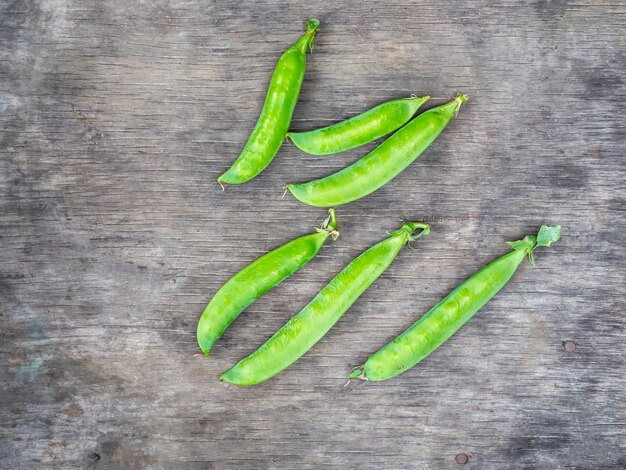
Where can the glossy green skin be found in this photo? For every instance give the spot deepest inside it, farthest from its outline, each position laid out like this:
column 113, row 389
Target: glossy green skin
column 382, row 164
column 358, row 130
column 309, row 325
column 273, row 123
column 255, row 280
column 443, row 320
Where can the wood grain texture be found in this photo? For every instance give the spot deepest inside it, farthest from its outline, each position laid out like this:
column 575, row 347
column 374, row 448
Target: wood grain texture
column 116, row 119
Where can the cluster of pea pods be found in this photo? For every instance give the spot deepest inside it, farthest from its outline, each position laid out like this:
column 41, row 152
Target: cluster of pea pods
column 411, row 138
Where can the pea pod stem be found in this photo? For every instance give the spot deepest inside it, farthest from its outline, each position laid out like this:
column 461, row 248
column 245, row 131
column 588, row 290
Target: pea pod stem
column 382, row 164
column 309, row 325
column 451, row 313
column 273, row 123
column 258, row 278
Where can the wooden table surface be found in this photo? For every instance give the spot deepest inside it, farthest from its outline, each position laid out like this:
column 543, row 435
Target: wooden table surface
column 116, row 117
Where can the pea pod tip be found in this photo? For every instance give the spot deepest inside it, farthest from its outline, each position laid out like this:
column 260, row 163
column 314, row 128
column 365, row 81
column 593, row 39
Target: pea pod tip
column 232, row 379
column 357, row 373
column 205, row 345
column 224, row 178
column 296, row 191
column 292, row 138
column 295, row 138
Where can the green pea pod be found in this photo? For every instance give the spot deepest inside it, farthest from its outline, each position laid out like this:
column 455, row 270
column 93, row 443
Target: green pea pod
column 308, row 326
column 256, row 279
column 445, row 318
column 358, row 130
column 382, row 164
column 273, row 123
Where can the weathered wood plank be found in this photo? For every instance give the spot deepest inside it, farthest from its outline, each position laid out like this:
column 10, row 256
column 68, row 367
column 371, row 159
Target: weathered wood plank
column 117, row 117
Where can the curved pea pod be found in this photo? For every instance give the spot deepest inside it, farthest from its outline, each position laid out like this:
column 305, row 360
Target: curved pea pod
column 445, row 318
column 256, row 279
column 382, row 164
column 309, row 325
column 274, row 120
column 358, row 130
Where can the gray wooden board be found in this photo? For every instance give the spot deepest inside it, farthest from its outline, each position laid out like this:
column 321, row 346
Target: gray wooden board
column 118, row 116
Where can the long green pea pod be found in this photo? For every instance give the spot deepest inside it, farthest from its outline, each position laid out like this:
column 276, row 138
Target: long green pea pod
column 445, row 318
column 273, row 123
column 382, row 164
column 256, row 279
column 309, row 325
column 358, row 130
